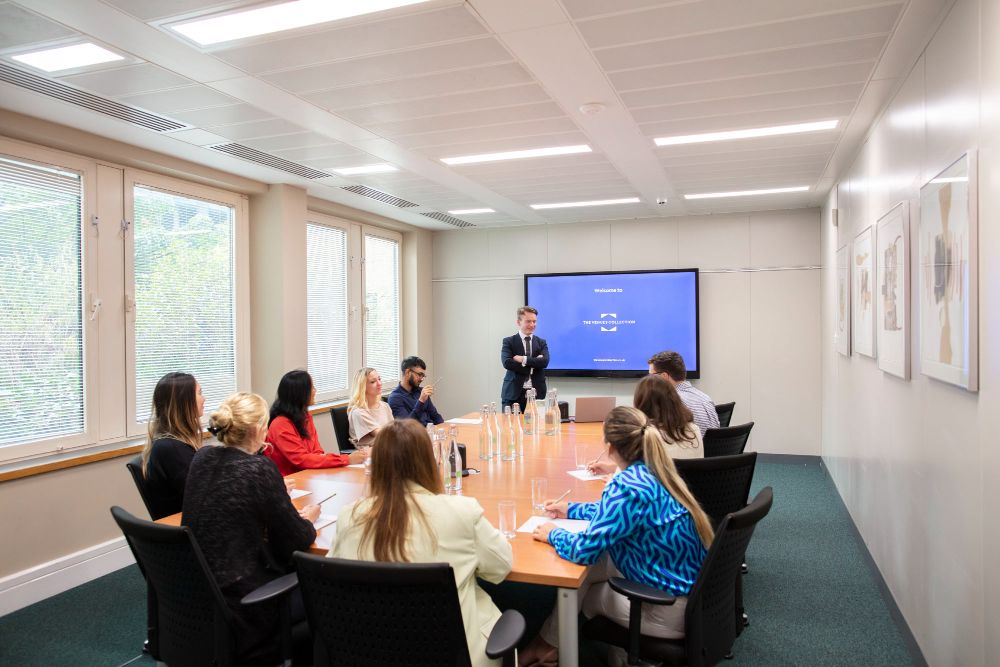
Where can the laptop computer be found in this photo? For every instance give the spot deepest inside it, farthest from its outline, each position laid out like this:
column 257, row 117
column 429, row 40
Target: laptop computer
column 593, row 408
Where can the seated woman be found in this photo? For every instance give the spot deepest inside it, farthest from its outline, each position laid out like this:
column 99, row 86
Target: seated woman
column 174, row 435
column 292, row 433
column 366, row 411
column 661, row 403
column 407, row 518
column 646, row 527
column 238, row 508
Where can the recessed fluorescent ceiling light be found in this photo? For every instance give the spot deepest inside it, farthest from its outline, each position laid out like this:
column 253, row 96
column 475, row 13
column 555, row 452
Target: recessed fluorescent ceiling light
column 746, row 193
column 517, row 155
column 596, row 202
column 747, row 134
column 68, row 57
column 380, row 168
column 471, row 211
column 275, row 18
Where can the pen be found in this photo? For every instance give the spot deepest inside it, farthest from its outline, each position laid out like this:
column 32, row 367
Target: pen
column 599, row 457
column 560, row 498
column 327, row 498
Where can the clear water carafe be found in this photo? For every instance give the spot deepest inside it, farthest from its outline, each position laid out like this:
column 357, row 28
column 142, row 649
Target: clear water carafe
column 551, row 413
column 530, row 413
column 484, row 433
column 510, row 444
column 454, row 459
column 518, row 433
column 497, row 431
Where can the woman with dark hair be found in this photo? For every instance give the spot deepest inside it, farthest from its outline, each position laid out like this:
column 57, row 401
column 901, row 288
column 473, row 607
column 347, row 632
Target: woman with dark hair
column 292, row 433
column 173, row 437
column 657, row 398
column 647, row 527
column 406, row 518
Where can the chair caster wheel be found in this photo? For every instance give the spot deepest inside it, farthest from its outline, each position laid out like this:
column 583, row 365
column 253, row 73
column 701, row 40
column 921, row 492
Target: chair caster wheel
column 729, row 656
column 744, row 569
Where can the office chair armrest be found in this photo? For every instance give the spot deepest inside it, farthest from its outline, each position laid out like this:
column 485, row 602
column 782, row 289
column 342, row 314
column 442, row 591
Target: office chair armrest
column 506, row 634
column 636, row 591
column 272, row 589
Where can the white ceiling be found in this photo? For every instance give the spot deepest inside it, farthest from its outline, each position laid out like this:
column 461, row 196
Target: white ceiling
column 448, row 78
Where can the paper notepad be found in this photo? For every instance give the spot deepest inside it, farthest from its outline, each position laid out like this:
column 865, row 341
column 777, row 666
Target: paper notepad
column 572, row 525
column 463, row 420
column 324, row 520
column 584, row 475
column 298, row 493
column 356, row 465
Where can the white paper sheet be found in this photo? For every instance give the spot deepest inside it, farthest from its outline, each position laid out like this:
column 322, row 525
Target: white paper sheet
column 298, row 493
column 584, row 475
column 462, row 420
column 356, row 465
column 572, row 525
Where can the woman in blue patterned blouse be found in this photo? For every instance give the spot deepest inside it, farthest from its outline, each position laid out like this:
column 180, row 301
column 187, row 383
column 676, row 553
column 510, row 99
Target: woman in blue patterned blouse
column 646, row 527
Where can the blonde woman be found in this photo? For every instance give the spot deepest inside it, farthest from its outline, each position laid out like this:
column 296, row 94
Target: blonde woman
column 646, row 527
column 238, row 508
column 366, row 411
column 173, row 437
column 407, row 518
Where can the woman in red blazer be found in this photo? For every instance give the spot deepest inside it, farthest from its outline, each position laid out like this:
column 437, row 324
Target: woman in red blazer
column 291, row 432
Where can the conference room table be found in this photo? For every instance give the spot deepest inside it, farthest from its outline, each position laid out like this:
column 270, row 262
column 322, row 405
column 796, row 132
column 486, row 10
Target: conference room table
column 549, row 457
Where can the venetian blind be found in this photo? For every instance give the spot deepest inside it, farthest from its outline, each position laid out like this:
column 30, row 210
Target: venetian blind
column 41, row 282
column 184, row 294
column 326, row 315
column 381, row 349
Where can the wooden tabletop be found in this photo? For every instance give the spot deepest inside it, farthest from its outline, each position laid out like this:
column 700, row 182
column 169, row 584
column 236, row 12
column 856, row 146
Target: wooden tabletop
column 550, row 457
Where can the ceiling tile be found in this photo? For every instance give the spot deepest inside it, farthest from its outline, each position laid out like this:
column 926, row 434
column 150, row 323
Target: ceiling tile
column 21, row 27
column 256, row 129
column 180, row 99
column 481, row 118
column 447, row 104
column 415, row 62
column 494, row 138
column 767, row 37
column 797, row 58
column 237, row 113
column 131, row 80
column 738, row 121
column 148, row 10
column 355, row 41
column 831, row 96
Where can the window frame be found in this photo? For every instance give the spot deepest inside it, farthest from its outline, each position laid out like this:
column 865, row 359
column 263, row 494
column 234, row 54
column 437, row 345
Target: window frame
column 353, row 266
column 241, row 278
column 89, row 233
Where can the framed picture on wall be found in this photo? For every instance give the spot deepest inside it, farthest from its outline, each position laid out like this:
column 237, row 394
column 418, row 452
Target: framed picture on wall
column 863, row 292
column 948, row 275
column 892, row 291
column 842, row 336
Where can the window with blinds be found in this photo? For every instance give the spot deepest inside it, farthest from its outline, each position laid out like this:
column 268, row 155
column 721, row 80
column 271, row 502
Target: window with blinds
column 184, row 294
column 381, row 280
column 41, row 301
column 326, row 317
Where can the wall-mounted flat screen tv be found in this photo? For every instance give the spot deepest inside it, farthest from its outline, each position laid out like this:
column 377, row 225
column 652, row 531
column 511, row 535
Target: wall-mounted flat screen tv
column 609, row 324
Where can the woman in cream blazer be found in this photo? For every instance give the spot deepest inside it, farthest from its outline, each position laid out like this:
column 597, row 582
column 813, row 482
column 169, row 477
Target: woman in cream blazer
column 434, row 527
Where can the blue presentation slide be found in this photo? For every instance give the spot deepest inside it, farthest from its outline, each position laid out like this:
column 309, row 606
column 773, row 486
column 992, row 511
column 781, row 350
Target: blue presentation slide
column 617, row 321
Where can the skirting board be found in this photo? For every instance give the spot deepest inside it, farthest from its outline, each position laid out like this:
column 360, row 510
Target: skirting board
column 29, row 586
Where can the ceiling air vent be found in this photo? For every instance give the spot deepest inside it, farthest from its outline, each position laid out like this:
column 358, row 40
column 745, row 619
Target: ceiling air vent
column 372, row 193
column 61, row 91
column 447, row 219
column 268, row 160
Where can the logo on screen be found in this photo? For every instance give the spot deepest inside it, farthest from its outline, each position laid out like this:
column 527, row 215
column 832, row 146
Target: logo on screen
column 608, row 322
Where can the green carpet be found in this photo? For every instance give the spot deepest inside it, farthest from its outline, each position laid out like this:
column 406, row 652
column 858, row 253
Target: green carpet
column 810, row 594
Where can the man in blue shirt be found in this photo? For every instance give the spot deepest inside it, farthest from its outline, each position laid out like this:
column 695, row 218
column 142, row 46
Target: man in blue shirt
column 408, row 400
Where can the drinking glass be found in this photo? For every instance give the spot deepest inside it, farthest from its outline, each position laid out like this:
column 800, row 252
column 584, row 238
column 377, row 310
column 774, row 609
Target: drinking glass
column 508, row 518
column 539, row 491
column 583, row 456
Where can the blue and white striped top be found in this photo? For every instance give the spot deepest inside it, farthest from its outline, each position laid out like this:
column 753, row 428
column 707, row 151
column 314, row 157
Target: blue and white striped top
column 650, row 536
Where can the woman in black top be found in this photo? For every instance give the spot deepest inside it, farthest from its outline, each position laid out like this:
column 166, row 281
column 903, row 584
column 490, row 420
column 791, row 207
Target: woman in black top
column 238, row 508
column 174, row 435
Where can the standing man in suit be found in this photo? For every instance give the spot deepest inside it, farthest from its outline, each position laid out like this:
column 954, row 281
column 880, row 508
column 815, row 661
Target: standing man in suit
column 525, row 356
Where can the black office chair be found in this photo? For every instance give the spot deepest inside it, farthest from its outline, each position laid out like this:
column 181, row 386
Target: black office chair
column 194, row 624
column 409, row 611
column 342, row 428
column 721, row 485
column 726, row 441
column 710, row 626
column 134, row 466
column 725, row 412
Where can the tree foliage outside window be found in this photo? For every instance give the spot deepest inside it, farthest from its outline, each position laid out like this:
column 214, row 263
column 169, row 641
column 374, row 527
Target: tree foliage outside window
column 184, row 294
column 41, row 288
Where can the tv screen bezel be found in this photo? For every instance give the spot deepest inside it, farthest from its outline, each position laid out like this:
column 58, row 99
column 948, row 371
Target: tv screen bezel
column 587, row 373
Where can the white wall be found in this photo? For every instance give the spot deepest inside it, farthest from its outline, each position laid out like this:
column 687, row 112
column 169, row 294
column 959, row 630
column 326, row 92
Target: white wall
column 759, row 329
column 917, row 461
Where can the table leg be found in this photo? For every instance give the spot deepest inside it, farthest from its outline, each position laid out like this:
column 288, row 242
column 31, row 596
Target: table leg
column 568, row 611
